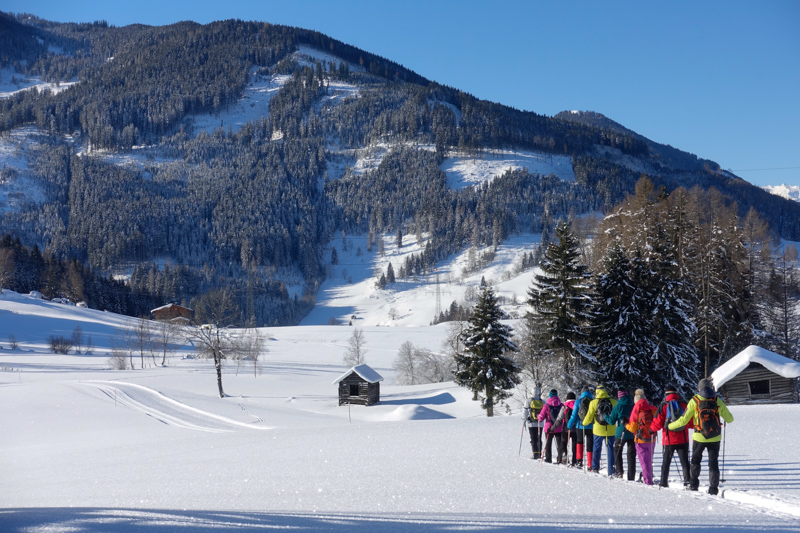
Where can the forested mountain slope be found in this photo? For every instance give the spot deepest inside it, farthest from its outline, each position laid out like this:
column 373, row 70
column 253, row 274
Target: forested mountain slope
column 123, row 169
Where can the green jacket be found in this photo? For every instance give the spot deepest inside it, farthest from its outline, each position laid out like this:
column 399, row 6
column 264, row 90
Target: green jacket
column 619, row 416
column 599, row 430
column 691, row 414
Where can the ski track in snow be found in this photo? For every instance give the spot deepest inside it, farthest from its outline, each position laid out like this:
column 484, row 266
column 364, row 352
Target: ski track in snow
column 168, row 411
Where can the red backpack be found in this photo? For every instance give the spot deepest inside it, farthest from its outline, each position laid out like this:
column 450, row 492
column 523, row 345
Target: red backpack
column 643, row 434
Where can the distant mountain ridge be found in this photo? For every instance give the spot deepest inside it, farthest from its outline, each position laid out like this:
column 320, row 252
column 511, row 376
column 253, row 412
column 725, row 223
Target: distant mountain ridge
column 189, row 156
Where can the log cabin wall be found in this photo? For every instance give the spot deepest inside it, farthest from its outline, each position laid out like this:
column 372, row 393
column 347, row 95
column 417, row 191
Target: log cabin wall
column 756, row 384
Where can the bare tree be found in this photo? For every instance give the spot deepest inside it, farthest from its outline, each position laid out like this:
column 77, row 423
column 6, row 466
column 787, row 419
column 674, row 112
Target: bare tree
column 165, row 334
column 356, row 353
column 143, row 338
column 420, row 365
column 249, row 347
column 216, row 312
column 405, row 364
column 77, row 338
column 433, row 367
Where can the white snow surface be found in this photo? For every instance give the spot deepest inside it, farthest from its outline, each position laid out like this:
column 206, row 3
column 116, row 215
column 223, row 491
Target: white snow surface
column 779, row 364
column 467, row 170
column 790, row 192
column 86, row 448
column 24, row 83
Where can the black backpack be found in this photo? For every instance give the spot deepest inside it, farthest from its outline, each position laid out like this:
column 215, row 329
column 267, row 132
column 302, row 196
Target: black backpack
column 604, row 409
column 583, row 408
column 556, row 415
column 707, row 421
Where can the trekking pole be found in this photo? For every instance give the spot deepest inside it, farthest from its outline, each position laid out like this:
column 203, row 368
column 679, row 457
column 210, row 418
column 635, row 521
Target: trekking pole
column 722, row 477
column 520, row 438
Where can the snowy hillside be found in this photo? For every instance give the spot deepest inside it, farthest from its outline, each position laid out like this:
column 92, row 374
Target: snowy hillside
column 790, row 192
column 87, row 448
column 350, row 289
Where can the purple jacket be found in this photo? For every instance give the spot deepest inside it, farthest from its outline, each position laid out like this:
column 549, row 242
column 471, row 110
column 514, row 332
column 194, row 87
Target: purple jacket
column 552, row 403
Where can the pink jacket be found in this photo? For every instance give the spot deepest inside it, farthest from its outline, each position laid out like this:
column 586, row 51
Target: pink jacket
column 552, row 402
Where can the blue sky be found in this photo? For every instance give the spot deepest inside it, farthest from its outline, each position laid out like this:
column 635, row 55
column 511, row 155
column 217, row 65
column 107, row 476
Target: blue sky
column 717, row 79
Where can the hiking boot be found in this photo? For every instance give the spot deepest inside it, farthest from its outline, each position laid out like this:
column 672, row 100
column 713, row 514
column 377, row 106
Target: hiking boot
column 713, row 491
column 618, row 476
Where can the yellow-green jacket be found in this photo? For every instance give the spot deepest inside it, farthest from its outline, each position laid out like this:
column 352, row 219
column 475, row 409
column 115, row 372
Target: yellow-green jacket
column 599, row 430
column 691, row 414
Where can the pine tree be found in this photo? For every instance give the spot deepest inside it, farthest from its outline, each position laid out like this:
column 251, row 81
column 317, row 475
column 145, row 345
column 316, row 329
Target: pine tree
column 561, row 300
column 390, row 274
column 623, row 342
column 483, row 367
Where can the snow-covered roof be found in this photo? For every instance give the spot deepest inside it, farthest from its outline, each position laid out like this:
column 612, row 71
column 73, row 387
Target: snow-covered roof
column 779, row 364
column 168, row 306
column 366, row 372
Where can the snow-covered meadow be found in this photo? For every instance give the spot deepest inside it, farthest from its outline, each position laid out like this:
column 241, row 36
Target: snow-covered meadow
column 87, row 448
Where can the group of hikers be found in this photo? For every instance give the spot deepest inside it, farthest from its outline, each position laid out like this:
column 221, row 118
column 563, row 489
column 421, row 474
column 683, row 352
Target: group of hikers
column 596, row 419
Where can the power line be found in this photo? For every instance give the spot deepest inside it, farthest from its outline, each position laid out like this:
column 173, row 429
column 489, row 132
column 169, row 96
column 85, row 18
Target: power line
column 763, row 169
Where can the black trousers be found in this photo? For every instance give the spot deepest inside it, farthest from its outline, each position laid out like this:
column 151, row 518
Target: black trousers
column 619, row 444
column 713, row 464
column 536, row 440
column 683, row 456
column 572, row 436
column 561, row 447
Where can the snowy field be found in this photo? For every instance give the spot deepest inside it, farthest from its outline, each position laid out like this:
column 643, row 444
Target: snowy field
column 86, row 448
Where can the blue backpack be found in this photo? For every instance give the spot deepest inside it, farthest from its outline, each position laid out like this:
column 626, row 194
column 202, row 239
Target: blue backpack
column 674, row 411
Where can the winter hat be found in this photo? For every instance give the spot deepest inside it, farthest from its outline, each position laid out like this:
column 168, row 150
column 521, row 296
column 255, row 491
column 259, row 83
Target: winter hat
column 622, row 393
column 570, row 395
column 537, row 392
column 706, row 388
column 671, row 389
column 599, row 387
column 553, row 392
column 639, row 395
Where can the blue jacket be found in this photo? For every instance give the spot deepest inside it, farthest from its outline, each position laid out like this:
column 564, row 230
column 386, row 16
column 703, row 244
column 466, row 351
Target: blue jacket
column 575, row 420
column 619, row 417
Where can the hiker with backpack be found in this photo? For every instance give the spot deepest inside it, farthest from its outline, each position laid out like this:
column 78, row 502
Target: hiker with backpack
column 553, row 414
column 640, row 424
column 622, row 437
column 670, row 410
column 705, row 409
column 585, row 440
column 570, row 435
column 535, row 426
column 599, row 408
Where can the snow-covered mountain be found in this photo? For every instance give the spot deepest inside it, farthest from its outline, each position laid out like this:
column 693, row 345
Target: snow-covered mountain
column 790, row 192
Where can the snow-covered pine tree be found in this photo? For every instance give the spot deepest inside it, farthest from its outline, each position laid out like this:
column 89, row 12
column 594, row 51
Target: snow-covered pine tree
column 483, row 367
column 561, row 301
column 621, row 321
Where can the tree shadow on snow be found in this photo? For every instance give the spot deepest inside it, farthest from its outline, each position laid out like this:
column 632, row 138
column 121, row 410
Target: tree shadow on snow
column 96, row 520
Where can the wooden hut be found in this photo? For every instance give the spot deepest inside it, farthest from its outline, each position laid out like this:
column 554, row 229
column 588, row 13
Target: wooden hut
column 756, row 375
column 172, row 313
column 360, row 385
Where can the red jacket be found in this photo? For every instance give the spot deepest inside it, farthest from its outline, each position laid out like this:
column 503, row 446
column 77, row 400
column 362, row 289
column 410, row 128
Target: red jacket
column 660, row 422
column 633, row 421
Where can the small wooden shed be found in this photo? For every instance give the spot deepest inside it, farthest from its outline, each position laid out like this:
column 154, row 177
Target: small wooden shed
column 756, row 375
column 360, row 385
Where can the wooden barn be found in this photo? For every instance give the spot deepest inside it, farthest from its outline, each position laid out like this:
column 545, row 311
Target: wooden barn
column 756, row 375
column 360, row 385
column 172, row 313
